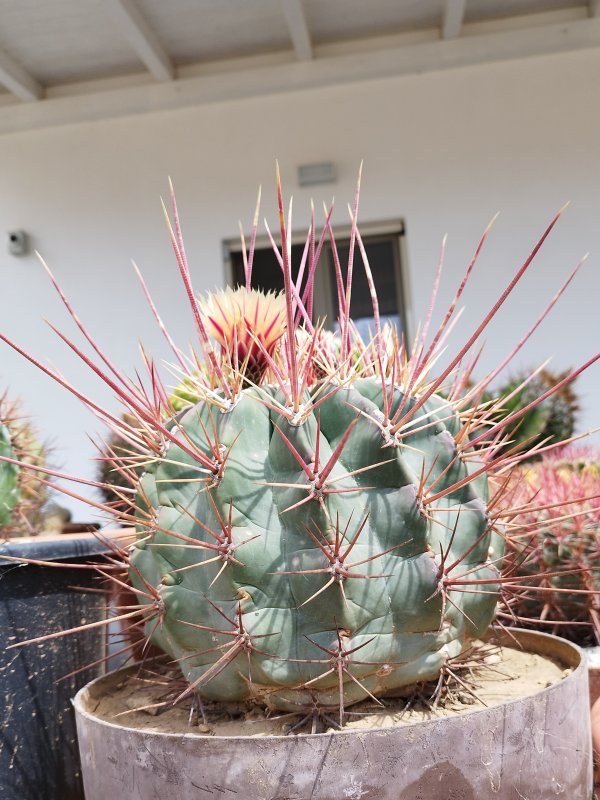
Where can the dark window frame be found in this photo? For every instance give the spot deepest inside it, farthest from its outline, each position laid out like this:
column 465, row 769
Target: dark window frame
column 392, row 231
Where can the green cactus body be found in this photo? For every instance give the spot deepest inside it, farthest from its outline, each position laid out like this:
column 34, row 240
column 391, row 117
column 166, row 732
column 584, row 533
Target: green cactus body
column 268, row 582
column 549, row 422
column 22, row 493
column 9, row 479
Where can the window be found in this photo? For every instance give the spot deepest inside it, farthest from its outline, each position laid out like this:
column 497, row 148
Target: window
column 383, row 245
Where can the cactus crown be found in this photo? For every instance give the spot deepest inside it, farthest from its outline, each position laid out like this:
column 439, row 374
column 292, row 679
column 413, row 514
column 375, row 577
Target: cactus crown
column 320, row 519
column 247, row 324
column 22, row 493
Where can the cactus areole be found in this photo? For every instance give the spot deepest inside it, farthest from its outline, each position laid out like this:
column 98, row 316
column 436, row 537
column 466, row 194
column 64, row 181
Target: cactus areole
column 320, row 519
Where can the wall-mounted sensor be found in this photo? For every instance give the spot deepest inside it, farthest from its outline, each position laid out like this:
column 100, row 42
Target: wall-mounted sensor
column 18, row 243
column 313, row 174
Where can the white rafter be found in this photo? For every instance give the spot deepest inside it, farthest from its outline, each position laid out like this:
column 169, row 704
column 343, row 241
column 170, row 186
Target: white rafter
column 299, row 33
column 454, row 14
column 278, row 72
column 17, row 80
column 594, row 8
column 142, row 38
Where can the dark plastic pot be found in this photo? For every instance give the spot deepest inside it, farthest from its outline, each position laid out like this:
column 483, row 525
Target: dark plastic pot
column 533, row 748
column 38, row 750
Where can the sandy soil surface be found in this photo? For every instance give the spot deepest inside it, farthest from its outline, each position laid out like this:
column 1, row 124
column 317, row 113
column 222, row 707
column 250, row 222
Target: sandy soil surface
column 144, row 699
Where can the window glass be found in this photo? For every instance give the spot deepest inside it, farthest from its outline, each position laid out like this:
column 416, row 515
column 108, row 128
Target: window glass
column 383, row 253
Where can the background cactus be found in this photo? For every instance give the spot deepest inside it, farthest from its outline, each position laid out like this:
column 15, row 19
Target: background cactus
column 114, row 477
column 550, row 422
column 320, row 520
column 558, row 536
column 22, row 494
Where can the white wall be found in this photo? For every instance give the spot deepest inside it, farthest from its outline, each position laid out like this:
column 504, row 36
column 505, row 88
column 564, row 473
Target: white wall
column 444, row 151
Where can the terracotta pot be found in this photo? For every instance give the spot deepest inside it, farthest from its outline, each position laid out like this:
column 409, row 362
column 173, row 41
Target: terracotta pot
column 531, row 748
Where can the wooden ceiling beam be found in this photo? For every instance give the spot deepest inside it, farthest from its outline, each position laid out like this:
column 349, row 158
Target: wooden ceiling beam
column 298, row 28
column 142, row 38
column 18, row 81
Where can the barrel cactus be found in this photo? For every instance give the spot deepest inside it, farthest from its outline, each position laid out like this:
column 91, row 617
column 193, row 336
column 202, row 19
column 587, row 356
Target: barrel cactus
column 299, row 558
column 22, row 493
column 319, row 519
column 550, row 422
column 9, row 494
column 557, row 535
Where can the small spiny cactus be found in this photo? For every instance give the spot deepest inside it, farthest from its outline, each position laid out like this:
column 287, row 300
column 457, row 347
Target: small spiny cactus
column 550, row 422
column 557, row 535
column 22, row 493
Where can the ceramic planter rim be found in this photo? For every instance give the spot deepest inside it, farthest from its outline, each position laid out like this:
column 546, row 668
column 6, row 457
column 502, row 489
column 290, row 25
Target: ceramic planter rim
column 569, row 653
